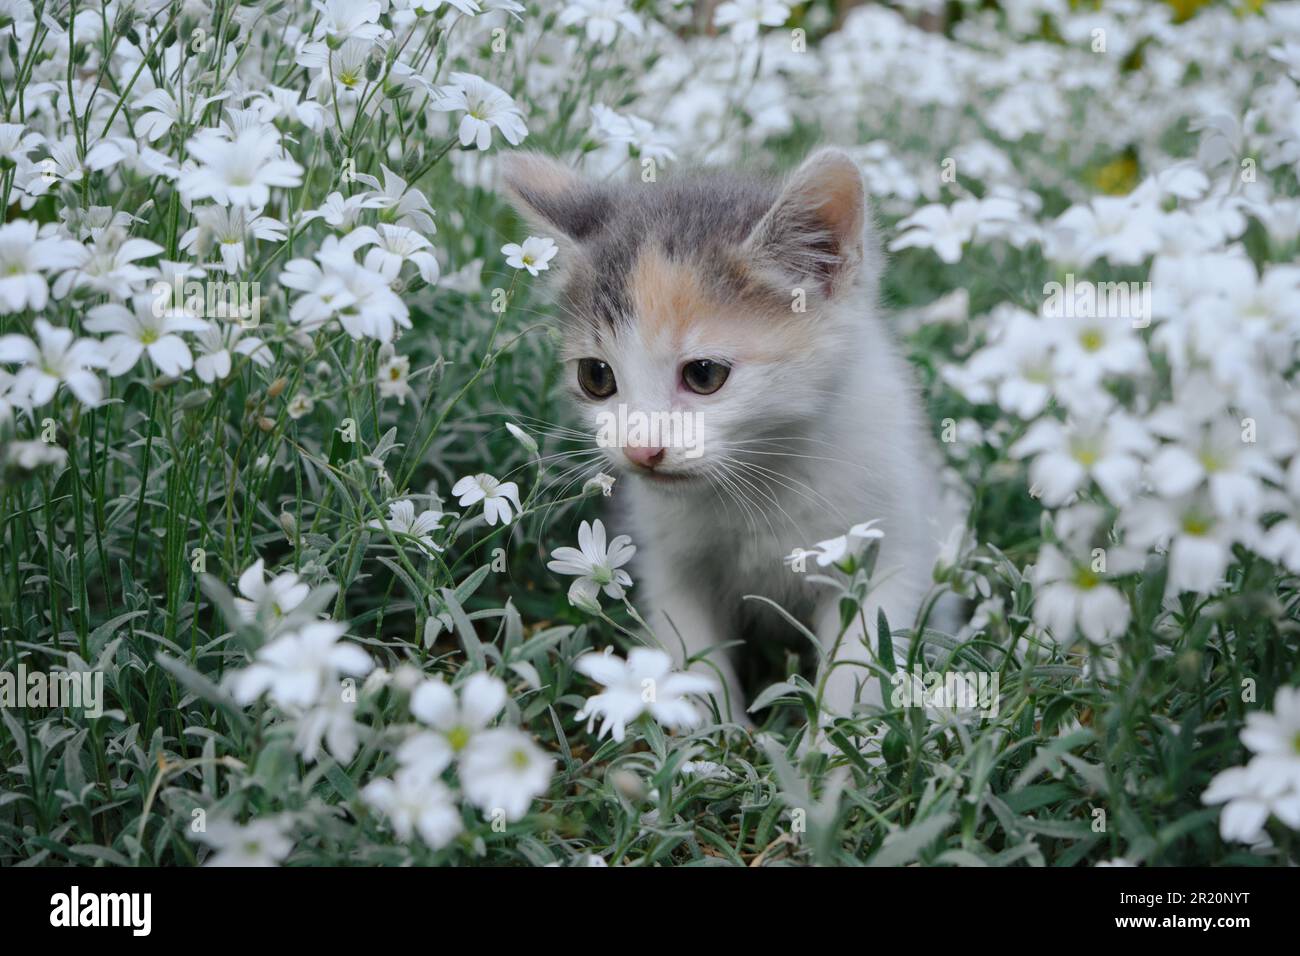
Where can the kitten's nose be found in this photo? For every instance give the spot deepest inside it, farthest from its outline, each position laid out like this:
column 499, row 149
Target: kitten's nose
column 646, row 457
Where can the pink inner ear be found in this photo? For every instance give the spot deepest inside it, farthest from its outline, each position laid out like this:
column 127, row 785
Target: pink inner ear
column 835, row 196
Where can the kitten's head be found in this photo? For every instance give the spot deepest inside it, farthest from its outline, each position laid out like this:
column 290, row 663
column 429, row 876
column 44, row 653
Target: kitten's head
column 705, row 314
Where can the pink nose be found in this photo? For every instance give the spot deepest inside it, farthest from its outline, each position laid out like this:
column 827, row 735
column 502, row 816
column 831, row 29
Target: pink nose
column 643, row 456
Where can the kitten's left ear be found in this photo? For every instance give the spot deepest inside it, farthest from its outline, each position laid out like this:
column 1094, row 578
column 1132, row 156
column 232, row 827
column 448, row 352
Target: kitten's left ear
column 816, row 228
column 552, row 196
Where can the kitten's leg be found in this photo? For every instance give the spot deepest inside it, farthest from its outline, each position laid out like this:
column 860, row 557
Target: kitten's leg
column 686, row 625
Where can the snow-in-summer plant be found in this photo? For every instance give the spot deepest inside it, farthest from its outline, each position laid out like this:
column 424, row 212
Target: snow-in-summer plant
column 284, row 456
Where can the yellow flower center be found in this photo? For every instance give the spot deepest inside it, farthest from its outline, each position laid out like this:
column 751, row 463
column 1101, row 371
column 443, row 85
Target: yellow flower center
column 458, row 737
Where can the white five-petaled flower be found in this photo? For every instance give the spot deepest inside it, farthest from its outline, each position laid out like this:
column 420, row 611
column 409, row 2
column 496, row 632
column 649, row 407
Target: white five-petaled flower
column 601, row 19
column 534, row 255
column 268, row 601
column 415, row 804
column 403, row 520
column 238, row 171
column 486, row 106
column 644, row 683
column 457, row 718
column 1109, row 450
column 56, row 356
column 261, row 842
column 24, row 257
column 340, row 20
column 602, row 483
column 144, row 329
column 393, row 374
column 598, row 566
column 497, row 496
column 503, row 771
column 834, row 550
column 217, row 342
column 1269, row 785
column 744, row 17
column 296, row 669
column 392, row 246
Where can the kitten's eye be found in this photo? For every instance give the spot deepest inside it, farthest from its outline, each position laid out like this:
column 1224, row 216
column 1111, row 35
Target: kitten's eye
column 704, row 377
column 596, row 378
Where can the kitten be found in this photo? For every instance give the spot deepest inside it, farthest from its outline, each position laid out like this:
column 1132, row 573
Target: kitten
column 752, row 307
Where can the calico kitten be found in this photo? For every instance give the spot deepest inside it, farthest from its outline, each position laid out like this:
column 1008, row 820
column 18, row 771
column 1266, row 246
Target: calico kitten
column 752, row 307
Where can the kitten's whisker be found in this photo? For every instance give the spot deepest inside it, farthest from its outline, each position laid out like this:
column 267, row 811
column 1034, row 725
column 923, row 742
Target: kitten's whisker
column 733, row 489
column 789, row 482
column 749, row 482
column 793, row 455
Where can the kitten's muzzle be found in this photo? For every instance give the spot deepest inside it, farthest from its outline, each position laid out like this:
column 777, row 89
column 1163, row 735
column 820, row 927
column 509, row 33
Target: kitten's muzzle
column 646, row 456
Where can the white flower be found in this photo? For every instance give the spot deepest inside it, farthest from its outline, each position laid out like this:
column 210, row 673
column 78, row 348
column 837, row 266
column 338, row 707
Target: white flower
column 1066, row 455
column 402, row 520
column 144, row 329
column 1018, row 363
column 598, row 566
column 109, row 265
column 1120, row 229
column 261, row 842
column 296, row 668
column 744, row 17
column 485, row 106
column 55, row 357
column 502, row 771
column 1270, row 783
column 1218, row 456
column 16, row 142
column 836, row 549
column 226, row 230
column 1199, row 543
column 414, row 804
column 644, row 683
column 268, row 601
column 394, row 375
column 396, row 245
column 521, row 436
column 300, row 406
column 945, row 229
column 399, row 203
column 602, row 483
column 1070, row 595
column 329, row 723
column 66, row 165
column 1088, row 348
column 458, row 717
column 342, row 19
column 334, row 285
column 30, row 455
column 23, row 259
column 497, row 496
column 216, row 342
column 534, row 255
column 602, row 19
column 342, row 212
column 458, row 714
column 609, row 127
column 238, row 171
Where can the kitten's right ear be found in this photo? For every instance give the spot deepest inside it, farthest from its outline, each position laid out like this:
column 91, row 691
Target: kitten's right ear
column 550, row 195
